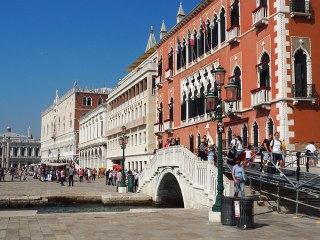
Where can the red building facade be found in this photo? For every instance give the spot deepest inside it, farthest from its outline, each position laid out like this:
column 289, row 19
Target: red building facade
column 268, row 48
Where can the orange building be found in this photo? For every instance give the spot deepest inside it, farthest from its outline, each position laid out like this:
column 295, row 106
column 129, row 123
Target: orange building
column 268, row 48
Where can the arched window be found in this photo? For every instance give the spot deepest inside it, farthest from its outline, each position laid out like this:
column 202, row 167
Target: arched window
column 89, row 101
column 263, row 2
column 183, row 53
column 191, row 143
column 264, row 71
column 160, row 67
column 84, row 101
column 270, row 126
column 179, row 54
column 170, row 59
column 201, row 41
column 245, row 135
column 300, row 74
column 183, row 108
column 100, row 100
column 215, row 32
column 222, row 26
column 195, row 47
column 234, row 15
column 190, row 48
column 255, row 131
column 208, row 37
column 160, row 120
column 200, row 102
column 191, row 106
column 237, row 80
column 171, row 109
column 229, row 136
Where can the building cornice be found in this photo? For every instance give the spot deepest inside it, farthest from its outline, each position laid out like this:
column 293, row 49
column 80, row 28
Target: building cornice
column 194, row 12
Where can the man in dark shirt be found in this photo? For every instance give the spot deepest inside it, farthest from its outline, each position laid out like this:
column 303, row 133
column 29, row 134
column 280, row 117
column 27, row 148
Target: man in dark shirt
column 265, row 149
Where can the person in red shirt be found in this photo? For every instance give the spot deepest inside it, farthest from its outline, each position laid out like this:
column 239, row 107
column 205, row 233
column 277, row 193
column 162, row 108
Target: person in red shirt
column 81, row 173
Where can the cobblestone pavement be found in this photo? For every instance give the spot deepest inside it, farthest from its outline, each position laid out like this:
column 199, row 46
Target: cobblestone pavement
column 138, row 223
column 34, row 187
column 150, row 225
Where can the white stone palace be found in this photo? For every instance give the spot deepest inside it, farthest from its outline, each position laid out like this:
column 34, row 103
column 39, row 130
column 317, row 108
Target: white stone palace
column 17, row 150
column 93, row 139
column 60, row 122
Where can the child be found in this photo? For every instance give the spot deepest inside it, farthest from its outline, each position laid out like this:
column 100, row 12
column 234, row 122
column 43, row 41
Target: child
column 248, row 153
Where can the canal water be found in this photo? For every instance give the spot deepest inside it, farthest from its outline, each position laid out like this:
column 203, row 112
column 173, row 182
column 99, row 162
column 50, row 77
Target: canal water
column 77, row 208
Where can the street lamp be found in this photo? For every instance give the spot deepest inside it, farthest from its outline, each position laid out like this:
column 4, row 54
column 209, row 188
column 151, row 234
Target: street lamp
column 123, row 140
column 214, row 105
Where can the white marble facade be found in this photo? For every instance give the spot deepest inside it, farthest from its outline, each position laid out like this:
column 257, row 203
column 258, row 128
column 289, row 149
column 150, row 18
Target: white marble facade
column 92, row 138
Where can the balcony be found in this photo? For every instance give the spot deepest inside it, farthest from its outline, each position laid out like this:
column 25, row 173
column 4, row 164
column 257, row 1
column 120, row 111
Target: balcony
column 261, row 98
column 233, row 34
column 159, row 81
column 168, row 125
column 158, row 128
column 169, row 74
column 300, row 8
column 260, row 16
column 236, row 108
column 303, row 93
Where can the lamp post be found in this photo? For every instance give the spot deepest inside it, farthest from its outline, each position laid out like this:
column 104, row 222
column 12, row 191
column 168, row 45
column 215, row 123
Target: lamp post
column 123, row 140
column 214, row 105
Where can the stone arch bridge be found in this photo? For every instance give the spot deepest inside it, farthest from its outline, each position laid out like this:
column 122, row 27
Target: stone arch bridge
column 175, row 176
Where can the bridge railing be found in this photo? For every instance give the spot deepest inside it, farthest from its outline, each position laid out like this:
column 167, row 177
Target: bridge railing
column 200, row 174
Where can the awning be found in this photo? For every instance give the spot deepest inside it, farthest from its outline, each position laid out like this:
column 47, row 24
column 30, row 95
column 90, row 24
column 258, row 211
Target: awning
column 57, row 164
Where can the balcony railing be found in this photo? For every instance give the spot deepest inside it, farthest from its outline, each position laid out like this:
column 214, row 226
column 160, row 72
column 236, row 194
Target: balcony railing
column 233, row 34
column 168, row 125
column 169, row 74
column 303, row 93
column 158, row 128
column 260, row 15
column 159, row 81
column 261, row 97
column 236, row 107
column 300, row 8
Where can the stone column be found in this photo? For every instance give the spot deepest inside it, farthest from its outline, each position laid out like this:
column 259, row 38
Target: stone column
column 8, row 153
column 3, row 154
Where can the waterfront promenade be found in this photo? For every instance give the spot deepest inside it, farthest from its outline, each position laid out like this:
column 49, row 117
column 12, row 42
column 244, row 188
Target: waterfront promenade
column 138, row 223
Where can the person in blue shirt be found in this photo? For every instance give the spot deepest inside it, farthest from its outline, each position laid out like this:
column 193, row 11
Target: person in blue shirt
column 238, row 178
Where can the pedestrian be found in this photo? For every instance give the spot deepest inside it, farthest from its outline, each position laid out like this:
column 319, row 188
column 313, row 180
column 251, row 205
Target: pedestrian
column 265, row 151
column 238, row 178
column 12, row 172
column 110, row 177
column 248, row 153
column 118, row 178
column 211, row 153
column 136, row 180
column 71, row 174
column 114, row 177
column 233, row 142
column 2, row 174
column 239, row 147
column 310, row 149
column 106, row 173
column 62, row 177
column 94, row 174
column 81, row 173
column 202, row 148
column 89, row 173
column 276, row 148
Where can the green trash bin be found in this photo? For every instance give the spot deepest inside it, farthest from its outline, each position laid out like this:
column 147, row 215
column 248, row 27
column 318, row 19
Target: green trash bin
column 130, row 182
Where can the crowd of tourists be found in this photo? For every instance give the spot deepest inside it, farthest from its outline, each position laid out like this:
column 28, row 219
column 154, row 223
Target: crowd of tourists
column 19, row 174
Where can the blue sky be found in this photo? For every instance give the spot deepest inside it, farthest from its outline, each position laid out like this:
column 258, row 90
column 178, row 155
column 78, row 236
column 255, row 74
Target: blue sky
column 48, row 44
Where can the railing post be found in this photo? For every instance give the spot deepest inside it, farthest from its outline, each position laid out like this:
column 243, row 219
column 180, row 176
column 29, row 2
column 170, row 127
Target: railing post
column 298, row 154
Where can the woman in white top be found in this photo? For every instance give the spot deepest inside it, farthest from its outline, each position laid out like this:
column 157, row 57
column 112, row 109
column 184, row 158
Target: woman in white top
column 239, row 146
column 310, row 152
